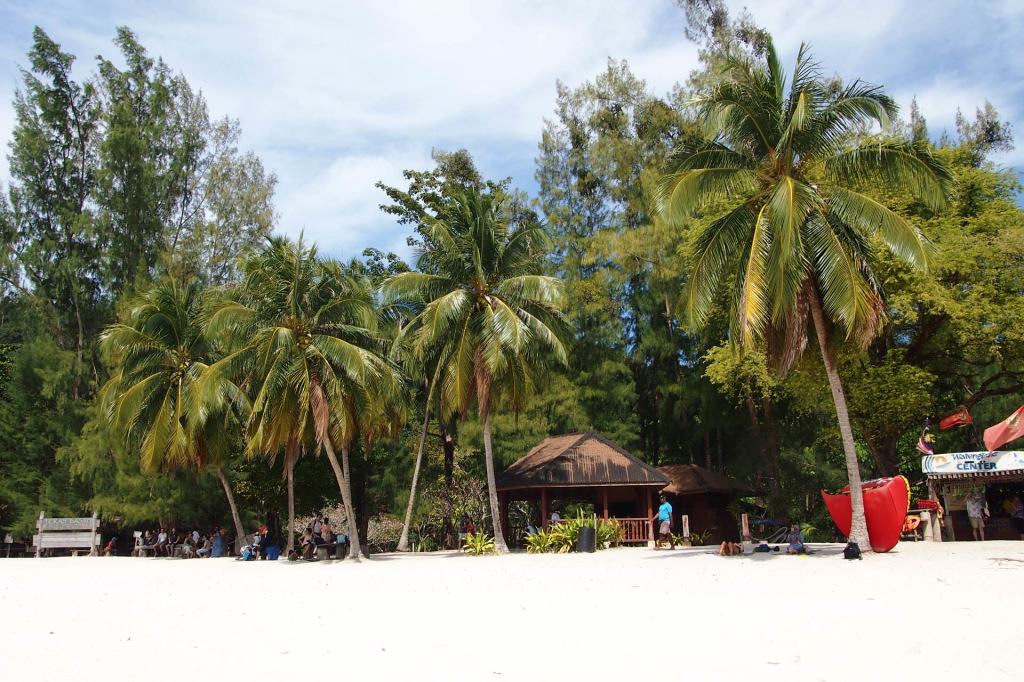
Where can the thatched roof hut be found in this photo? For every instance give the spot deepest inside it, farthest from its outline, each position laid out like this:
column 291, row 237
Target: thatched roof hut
column 704, row 496
column 585, row 467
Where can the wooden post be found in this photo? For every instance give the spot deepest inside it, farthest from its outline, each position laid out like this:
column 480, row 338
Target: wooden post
column 544, row 508
column 745, row 525
column 92, row 538
column 686, row 528
column 650, row 523
column 604, row 499
column 39, row 535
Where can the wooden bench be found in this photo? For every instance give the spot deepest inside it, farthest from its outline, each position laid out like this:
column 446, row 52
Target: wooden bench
column 74, row 534
column 140, row 549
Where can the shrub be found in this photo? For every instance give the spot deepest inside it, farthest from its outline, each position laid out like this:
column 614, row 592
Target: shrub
column 539, row 542
column 610, row 532
column 478, row 544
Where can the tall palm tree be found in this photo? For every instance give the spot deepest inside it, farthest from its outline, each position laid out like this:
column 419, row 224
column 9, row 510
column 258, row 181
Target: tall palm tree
column 489, row 315
column 783, row 178
column 301, row 330
column 153, row 398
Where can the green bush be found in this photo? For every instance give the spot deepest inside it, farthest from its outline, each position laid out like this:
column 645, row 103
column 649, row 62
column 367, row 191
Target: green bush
column 539, row 542
column 478, row 544
column 562, row 537
column 609, row 532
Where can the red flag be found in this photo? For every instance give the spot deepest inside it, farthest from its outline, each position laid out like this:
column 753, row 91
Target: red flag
column 1009, row 429
column 960, row 417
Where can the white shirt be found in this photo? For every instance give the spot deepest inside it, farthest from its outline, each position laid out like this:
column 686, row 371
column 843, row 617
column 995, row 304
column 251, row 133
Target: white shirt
column 195, row 537
column 161, row 538
column 555, row 517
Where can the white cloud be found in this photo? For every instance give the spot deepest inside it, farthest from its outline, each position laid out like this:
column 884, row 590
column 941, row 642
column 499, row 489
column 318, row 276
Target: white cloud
column 335, row 96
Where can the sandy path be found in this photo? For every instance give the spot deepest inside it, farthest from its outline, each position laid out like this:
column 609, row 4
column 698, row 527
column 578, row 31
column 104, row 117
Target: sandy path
column 930, row 611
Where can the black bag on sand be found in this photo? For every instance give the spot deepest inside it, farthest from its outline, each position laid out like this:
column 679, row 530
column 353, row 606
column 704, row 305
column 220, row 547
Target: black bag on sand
column 852, row 551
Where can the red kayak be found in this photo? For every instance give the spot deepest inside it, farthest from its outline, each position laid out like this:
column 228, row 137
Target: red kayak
column 886, row 502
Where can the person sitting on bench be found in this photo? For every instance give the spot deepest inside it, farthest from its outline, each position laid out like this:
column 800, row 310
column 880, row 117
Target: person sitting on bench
column 161, row 543
column 173, row 541
column 309, row 545
column 327, row 533
column 204, row 548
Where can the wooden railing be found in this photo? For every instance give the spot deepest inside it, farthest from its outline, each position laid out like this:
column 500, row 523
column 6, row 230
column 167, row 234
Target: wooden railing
column 635, row 531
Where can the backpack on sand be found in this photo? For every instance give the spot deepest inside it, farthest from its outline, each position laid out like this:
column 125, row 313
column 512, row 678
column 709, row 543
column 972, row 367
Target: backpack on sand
column 852, row 551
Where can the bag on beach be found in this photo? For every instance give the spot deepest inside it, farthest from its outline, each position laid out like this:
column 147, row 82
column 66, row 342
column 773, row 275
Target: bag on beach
column 852, row 551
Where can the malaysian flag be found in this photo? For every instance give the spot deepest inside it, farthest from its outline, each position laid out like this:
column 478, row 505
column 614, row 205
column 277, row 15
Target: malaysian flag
column 925, row 442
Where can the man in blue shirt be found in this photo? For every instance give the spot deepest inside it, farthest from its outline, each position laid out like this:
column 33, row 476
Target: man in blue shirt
column 664, row 523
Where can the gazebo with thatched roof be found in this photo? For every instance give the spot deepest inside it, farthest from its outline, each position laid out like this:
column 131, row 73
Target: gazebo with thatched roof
column 585, row 467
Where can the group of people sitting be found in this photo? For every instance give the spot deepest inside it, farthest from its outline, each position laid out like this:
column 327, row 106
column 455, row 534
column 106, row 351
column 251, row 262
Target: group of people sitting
column 795, row 544
column 186, row 545
column 319, row 533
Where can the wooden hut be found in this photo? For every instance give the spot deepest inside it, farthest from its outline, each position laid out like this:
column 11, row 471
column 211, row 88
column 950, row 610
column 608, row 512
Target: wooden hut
column 585, row 467
column 703, row 495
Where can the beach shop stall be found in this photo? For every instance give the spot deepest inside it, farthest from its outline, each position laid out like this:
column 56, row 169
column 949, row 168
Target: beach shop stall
column 998, row 475
column 584, row 468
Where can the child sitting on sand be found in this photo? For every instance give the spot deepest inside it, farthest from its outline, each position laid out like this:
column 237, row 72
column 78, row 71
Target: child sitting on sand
column 796, row 541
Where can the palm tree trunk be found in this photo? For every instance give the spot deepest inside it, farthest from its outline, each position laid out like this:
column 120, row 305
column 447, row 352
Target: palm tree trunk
column 403, row 541
column 858, row 525
column 492, row 492
column 290, row 541
column 346, row 495
column 239, row 531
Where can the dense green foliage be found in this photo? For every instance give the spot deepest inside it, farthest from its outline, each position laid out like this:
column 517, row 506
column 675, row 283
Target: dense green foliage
column 132, row 216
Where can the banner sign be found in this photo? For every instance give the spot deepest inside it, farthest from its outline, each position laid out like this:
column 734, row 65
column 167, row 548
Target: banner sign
column 973, row 462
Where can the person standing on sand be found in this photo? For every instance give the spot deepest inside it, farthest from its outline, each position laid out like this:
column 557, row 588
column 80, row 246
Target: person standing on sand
column 977, row 510
column 664, row 518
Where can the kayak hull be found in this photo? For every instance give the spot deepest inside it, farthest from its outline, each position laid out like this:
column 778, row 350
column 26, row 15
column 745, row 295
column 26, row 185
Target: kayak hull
column 886, row 502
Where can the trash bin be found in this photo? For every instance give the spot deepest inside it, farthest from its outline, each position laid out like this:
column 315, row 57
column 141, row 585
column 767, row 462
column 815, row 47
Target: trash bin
column 587, row 540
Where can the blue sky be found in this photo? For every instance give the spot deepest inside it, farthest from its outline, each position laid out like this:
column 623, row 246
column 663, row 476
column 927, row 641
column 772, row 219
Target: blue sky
column 335, row 96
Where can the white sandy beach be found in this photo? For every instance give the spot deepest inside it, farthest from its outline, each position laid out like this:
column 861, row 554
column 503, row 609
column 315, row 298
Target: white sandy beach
column 927, row 611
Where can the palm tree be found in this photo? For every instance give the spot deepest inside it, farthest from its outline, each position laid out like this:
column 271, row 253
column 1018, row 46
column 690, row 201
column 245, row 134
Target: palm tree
column 403, row 540
column 489, row 317
column 783, row 179
column 153, row 398
column 301, row 331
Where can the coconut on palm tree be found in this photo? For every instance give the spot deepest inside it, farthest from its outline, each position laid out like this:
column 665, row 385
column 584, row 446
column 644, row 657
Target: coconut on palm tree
column 783, row 184
column 301, row 333
column 154, row 399
column 489, row 315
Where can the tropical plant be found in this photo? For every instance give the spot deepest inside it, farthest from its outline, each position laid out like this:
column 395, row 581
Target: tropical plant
column 609, row 533
column 564, row 534
column 301, row 336
column 489, row 315
column 701, row 538
column 478, row 544
column 539, row 542
column 153, row 399
column 781, row 180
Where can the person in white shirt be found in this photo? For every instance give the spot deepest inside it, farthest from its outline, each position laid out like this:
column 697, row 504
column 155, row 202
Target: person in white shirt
column 977, row 511
column 555, row 517
column 161, row 542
